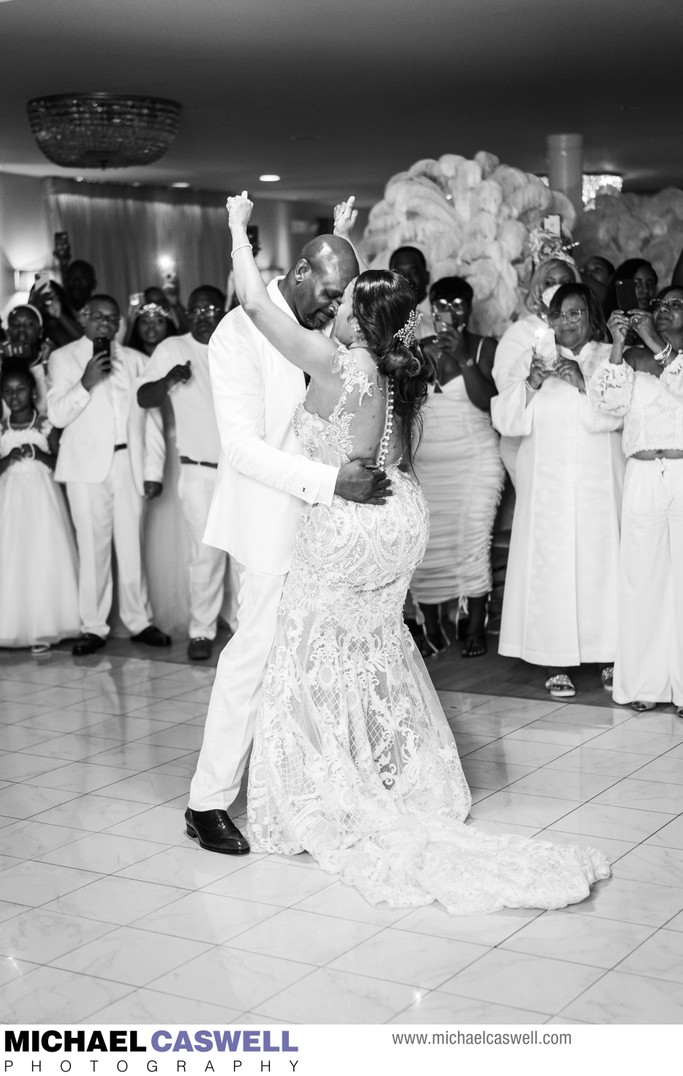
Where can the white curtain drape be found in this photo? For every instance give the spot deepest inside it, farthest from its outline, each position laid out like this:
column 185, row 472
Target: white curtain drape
column 123, row 233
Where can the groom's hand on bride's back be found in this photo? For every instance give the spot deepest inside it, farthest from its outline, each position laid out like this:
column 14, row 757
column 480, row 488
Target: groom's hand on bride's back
column 362, row 481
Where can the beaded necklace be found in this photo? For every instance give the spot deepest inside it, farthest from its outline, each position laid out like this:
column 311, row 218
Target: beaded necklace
column 30, row 425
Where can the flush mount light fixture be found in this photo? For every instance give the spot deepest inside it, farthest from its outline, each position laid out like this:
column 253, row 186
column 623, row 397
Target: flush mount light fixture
column 103, row 130
column 269, row 177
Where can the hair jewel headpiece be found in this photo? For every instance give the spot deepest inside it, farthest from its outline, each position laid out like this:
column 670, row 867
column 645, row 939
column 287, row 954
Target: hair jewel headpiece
column 544, row 245
column 407, row 334
column 154, row 309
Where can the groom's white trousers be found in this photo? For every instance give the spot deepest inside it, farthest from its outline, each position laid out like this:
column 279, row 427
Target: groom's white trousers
column 236, row 693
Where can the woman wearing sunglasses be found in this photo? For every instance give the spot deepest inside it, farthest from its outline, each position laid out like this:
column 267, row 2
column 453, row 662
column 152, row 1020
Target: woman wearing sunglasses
column 559, row 607
column 459, row 468
column 645, row 385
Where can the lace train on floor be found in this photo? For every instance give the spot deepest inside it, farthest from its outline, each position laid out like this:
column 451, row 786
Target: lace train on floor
column 353, row 759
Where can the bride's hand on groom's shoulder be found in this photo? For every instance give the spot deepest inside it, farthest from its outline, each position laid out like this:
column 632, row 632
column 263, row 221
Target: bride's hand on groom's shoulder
column 360, row 480
column 345, row 217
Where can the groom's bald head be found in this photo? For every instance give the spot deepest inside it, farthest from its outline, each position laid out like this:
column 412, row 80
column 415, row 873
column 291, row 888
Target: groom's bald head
column 314, row 286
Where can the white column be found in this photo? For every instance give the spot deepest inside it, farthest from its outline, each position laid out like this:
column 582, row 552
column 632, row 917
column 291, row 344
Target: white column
column 565, row 166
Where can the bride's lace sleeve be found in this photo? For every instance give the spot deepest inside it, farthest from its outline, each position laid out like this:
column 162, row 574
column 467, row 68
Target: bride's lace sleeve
column 672, row 376
column 611, row 387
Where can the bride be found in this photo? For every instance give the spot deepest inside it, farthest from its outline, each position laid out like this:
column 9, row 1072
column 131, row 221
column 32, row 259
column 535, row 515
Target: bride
column 353, row 760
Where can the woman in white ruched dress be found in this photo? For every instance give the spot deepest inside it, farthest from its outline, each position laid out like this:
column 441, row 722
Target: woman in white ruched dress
column 353, row 760
column 458, row 465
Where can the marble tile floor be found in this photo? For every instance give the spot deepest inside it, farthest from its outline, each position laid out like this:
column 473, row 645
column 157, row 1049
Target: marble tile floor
column 110, row 914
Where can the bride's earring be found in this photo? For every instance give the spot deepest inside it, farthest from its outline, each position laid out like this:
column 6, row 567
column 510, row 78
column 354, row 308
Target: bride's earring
column 358, row 337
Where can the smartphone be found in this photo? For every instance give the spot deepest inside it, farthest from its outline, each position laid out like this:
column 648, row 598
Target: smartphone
column 42, row 279
column 552, row 223
column 136, row 298
column 626, row 295
column 61, row 237
column 101, row 345
column 443, row 319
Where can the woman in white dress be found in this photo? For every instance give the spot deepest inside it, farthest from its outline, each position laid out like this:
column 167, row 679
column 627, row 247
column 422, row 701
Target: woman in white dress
column 645, row 385
column 517, row 340
column 353, row 759
column 559, row 606
column 459, row 468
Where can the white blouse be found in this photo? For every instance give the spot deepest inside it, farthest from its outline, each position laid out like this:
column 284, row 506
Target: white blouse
column 652, row 406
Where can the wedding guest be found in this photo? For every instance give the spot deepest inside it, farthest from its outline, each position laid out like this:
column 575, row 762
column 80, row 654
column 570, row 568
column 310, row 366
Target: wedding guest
column 37, row 550
column 60, row 324
column 517, row 341
column 165, row 544
column 459, row 468
column 101, row 460
column 644, row 280
column 597, row 273
column 410, row 263
column 179, row 372
column 560, row 601
column 644, row 384
column 26, row 346
column 151, row 323
column 79, row 283
column 169, row 299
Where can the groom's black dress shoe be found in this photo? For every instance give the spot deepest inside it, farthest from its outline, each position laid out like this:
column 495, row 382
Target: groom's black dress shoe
column 87, row 643
column 215, row 832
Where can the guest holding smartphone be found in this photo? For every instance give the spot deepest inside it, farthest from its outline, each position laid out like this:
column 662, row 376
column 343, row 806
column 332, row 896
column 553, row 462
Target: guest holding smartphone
column 102, row 461
column 644, row 384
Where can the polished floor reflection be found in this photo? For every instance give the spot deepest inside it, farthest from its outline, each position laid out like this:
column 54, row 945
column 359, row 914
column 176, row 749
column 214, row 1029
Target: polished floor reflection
column 110, row 914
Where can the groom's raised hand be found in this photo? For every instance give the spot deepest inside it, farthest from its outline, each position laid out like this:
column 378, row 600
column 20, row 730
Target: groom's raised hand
column 362, row 481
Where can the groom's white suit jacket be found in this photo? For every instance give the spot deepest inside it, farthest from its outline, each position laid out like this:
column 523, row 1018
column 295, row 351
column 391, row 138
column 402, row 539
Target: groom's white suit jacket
column 263, row 477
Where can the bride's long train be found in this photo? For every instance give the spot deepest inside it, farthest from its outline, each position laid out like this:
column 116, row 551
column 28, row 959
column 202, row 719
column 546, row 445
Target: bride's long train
column 353, row 759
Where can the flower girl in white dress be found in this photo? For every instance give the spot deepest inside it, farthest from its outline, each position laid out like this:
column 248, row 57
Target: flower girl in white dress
column 353, row 759
column 39, row 578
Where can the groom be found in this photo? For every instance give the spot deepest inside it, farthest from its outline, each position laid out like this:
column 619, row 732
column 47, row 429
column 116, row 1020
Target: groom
column 264, row 480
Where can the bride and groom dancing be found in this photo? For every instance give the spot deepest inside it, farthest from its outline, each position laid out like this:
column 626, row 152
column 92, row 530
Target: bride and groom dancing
column 352, row 759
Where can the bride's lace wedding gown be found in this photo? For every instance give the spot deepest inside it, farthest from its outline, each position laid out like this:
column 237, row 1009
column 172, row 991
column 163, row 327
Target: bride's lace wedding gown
column 353, row 760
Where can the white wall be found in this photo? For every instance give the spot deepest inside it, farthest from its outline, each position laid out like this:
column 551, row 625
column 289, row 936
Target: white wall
column 25, row 240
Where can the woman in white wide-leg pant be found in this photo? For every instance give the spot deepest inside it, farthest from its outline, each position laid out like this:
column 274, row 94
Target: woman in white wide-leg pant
column 645, row 385
column 649, row 659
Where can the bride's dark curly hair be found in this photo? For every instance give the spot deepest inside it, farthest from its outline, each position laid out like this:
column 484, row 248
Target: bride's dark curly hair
column 382, row 303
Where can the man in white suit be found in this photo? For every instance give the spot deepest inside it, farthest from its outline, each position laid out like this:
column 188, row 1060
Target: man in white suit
column 263, row 483
column 102, row 460
column 179, row 371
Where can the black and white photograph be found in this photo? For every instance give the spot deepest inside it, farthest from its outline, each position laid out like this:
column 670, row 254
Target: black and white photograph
column 341, row 519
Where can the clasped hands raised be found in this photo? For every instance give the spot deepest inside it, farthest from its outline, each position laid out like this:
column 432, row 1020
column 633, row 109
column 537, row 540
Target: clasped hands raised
column 240, row 208
column 566, row 369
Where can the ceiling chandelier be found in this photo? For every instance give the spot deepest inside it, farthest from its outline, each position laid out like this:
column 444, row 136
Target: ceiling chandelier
column 103, row 130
